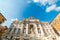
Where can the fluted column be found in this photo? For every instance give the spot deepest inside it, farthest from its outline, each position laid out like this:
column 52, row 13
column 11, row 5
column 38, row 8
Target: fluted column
column 9, row 31
column 12, row 30
column 41, row 29
column 26, row 28
column 36, row 31
column 16, row 31
column 48, row 29
column 22, row 28
column 45, row 31
column 52, row 31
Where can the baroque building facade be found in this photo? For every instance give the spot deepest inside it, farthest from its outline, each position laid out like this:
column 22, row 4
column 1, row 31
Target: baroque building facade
column 56, row 24
column 3, row 29
column 30, row 29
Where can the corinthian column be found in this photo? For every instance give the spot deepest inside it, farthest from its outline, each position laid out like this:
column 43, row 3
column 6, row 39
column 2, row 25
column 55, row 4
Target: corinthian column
column 45, row 30
column 48, row 29
column 21, row 27
column 52, row 31
column 41, row 29
column 26, row 28
column 35, row 30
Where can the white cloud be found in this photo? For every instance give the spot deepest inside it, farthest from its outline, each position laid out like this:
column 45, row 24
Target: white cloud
column 44, row 2
column 14, row 19
column 53, row 8
column 57, row 9
column 35, row 0
column 50, row 8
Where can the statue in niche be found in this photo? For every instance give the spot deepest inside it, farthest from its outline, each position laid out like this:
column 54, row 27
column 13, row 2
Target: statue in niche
column 31, row 29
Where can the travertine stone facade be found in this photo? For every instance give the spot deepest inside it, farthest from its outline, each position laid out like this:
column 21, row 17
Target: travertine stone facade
column 30, row 29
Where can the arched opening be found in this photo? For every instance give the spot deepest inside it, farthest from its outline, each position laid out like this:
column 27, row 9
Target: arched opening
column 30, row 28
column 17, row 39
column 26, row 39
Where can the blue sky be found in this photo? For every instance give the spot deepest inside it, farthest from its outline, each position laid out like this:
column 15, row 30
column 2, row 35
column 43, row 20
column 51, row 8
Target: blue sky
column 44, row 10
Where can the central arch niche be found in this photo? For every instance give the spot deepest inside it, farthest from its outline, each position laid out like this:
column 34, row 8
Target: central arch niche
column 31, row 28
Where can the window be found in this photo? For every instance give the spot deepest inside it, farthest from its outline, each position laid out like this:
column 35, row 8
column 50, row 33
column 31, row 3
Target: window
column 18, row 31
column 11, row 37
column 24, row 30
column 14, row 30
column 0, row 30
column 39, row 30
column 10, row 29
